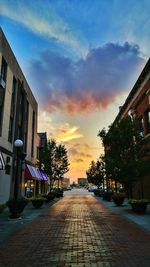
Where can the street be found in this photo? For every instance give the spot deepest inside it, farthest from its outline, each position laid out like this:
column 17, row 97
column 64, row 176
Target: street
column 76, row 231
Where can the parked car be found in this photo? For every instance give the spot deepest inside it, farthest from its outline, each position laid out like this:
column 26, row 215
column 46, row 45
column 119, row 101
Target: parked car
column 69, row 188
column 92, row 188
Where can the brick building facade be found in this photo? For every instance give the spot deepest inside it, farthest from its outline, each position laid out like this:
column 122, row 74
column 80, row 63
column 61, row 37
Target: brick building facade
column 138, row 104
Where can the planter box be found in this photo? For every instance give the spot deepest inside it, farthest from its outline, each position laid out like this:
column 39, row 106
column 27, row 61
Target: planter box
column 37, row 203
column 107, row 196
column 118, row 198
column 58, row 194
column 2, row 207
column 139, row 207
column 49, row 197
column 16, row 206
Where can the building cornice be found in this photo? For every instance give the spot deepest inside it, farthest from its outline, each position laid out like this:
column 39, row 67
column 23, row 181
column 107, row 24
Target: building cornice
column 137, row 88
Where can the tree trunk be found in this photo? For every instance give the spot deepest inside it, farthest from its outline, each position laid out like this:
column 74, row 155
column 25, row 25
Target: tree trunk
column 107, row 184
column 115, row 186
column 142, row 189
column 58, row 183
column 103, row 184
column 131, row 190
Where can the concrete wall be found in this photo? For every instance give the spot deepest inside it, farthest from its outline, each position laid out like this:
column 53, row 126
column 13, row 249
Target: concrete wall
column 7, row 148
column 6, row 111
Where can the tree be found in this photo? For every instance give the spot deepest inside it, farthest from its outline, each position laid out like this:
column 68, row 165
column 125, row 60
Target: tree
column 61, row 162
column 126, row 152
column 48, row 160
column 55, row 161
column 95, row 173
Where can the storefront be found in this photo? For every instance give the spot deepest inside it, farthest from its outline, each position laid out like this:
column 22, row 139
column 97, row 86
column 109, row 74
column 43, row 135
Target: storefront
column 36, row 182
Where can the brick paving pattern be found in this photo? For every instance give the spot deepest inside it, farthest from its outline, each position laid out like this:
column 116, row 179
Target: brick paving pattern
column 77, row 231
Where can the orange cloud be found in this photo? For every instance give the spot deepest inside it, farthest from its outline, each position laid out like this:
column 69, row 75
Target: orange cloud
column 79, row 160
column 68, row 133
column 80, row 155
column 83, row 105
column 62, row 132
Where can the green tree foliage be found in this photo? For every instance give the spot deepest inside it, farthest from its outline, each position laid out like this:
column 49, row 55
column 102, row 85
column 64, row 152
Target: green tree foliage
column 61, row 162
column 55, row 161
column 126, row 152
column 95, row 173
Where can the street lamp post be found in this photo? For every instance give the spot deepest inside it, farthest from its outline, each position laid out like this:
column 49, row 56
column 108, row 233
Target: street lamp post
column 18, row 145
column 17, row 203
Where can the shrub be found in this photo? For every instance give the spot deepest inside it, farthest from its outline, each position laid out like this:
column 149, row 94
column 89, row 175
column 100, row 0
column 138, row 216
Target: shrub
column 107, row 195
column 139, row 205
column 118, row 198
column 49, row 197
column 2, row 207
column 16, row 206
column 58, row 192
column 133, row 201
column 37, row 202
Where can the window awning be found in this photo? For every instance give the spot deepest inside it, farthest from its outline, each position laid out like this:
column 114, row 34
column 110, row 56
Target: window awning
column 44, row 176
column 2, row 162
column 33, row 173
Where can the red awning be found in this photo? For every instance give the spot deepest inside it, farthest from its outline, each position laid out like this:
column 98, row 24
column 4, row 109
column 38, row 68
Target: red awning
column 32, row 173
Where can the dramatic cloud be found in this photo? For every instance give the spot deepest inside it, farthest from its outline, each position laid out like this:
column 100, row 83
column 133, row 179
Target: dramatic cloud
column 87, row 85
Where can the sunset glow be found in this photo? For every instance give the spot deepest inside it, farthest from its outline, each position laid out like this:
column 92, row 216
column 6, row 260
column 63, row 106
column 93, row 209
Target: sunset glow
column 81, row 59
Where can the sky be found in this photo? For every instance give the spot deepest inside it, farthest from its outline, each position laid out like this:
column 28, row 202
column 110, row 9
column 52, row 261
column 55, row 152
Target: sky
column 81, row 59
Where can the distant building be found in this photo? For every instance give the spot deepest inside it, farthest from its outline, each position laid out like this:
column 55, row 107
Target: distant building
column 82, row 181
column 43, row 140
column 42, row 186
column 65, row 182
column 41, row 145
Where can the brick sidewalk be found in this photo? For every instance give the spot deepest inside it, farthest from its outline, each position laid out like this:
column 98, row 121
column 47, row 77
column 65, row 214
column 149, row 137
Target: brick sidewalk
column 75, row 232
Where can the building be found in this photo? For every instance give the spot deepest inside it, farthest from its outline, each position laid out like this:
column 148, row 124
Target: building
column 41, row 146
column 138, row 104
column 82, row 181
column 65, row 182
column 43, row 140
column 36, row 180
column 18, row 120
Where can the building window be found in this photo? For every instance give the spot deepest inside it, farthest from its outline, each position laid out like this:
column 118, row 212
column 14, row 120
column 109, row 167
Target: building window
column 3, row 77
column 26, row 125
column 12, row 111
column 4, row 70
column 20, row 116
column 38, row 153
column 142, row 126
column 147, row 121
column 10, row 130
column 33, row 128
